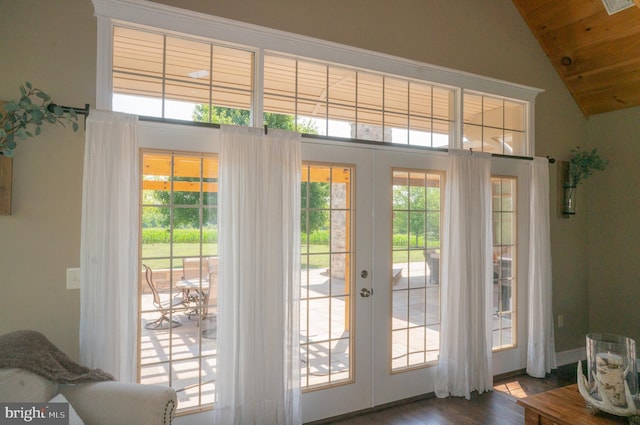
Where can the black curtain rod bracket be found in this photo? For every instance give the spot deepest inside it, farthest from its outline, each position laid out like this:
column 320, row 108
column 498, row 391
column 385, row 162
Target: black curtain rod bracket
column 78, row 111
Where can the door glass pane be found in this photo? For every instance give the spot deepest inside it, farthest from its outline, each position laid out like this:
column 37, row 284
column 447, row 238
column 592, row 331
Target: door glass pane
column 504, row 273
column 326, row 302
column 178, row 280
column 415, row 277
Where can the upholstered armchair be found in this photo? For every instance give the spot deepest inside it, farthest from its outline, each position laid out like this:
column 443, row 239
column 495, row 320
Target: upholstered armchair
column 96, row 403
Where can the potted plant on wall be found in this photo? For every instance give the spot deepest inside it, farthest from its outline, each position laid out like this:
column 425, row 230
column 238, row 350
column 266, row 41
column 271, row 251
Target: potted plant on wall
column 581, row 165
column 22, row 119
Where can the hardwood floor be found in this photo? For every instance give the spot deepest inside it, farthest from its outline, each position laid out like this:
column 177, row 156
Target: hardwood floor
column 496, row 407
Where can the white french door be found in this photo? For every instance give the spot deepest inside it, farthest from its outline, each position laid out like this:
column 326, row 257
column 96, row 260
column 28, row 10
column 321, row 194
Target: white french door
column 336, row 330
column 407, row 286
column 387, row 282
column 394, row 331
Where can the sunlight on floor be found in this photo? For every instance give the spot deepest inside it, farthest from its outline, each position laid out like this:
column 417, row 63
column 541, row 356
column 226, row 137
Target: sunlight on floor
column 511, row 389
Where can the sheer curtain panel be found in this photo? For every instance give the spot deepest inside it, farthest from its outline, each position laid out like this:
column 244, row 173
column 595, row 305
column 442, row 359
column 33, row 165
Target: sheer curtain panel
column 465, row 338
column 541, row 353
column 108, row 247
column 258, row 358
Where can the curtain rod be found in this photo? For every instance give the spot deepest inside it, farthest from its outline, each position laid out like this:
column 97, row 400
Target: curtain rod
column 332, row 138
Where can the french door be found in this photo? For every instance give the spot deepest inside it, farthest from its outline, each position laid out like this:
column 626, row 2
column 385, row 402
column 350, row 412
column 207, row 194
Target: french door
column 391, row 317
column 336, row 329
column 385, row 345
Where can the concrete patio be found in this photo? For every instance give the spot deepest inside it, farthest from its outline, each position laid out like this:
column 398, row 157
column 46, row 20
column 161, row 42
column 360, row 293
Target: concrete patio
column 184, row 357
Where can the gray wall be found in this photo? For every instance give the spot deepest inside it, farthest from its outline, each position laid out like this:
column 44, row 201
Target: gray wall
column 614, row 225
column 53, row 46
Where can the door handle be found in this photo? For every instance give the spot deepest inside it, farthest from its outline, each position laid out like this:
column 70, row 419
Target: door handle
column 366, row 293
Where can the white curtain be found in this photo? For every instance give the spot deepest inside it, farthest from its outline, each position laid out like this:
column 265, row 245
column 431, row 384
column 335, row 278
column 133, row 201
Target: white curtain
column 258, row 358
column 108, row 253
column 541, row 357
column 465, row 336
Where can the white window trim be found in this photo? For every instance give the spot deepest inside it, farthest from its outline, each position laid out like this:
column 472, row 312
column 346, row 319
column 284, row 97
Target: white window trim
column 173, row 19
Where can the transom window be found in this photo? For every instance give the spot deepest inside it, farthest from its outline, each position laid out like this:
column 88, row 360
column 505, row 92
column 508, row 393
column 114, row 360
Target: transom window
column 344, row 102
column 494, row 125
column 187, row 78
column 173, row 77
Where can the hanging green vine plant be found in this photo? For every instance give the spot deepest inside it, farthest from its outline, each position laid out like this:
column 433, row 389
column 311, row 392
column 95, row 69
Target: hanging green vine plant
column 24, row 118
column 583, row 163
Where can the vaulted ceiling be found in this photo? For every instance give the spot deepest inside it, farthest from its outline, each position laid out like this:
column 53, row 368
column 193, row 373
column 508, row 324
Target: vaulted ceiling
column 596, row 54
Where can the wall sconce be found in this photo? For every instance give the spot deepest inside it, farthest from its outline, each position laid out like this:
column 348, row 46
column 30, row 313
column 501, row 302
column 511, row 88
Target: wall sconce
column 580, row 166
column 569, row 199
column 566, row 192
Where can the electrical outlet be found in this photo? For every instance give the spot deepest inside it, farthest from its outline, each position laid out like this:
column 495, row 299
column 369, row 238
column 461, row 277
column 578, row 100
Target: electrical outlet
column 73, row 278
column 560, row 320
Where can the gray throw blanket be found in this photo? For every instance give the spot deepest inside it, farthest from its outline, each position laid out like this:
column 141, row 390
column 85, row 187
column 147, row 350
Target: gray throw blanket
column 32, row 351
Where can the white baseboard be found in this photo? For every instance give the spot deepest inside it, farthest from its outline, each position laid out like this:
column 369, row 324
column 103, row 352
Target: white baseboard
column 571, row 356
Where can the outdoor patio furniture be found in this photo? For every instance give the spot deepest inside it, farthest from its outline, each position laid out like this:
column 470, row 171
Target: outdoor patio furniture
column 165, row 320
column 199, row 283
column 433, row 261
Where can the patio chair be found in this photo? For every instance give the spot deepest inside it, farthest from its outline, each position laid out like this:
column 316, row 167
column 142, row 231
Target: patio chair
column 212, row 293
column 209, row 319
column 164, row 321
column 195, row 284
column 194, row 268
column 433, row 261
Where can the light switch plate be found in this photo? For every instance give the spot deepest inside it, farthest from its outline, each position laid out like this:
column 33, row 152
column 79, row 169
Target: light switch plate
column 73, row 278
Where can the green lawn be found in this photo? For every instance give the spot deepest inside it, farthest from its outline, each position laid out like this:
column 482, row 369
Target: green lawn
column 156, row 255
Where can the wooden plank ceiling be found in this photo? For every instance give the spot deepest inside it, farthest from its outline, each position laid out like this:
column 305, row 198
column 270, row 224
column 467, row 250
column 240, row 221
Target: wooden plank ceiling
column 596, row 54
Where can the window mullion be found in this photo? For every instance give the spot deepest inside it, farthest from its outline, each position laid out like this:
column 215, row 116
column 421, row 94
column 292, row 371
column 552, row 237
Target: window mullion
column 455, row 141
column 257, row 113
column 211, row 71
column 164, row 74
column 529, row 130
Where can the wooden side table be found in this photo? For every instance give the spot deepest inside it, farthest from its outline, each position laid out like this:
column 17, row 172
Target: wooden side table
column 563, row 406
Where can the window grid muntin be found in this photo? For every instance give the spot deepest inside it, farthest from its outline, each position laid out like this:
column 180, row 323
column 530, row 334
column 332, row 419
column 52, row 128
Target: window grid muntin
column 430, row 261
column 504, row 277
column 172, row 353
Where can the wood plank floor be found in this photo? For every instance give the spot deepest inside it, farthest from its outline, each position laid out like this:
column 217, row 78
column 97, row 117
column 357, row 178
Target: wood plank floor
column 496, row 407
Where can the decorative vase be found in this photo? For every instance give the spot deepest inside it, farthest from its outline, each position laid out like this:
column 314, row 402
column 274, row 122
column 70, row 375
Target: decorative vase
column 569, row 199
column 612, row 373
